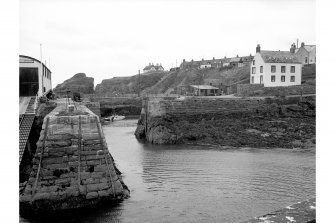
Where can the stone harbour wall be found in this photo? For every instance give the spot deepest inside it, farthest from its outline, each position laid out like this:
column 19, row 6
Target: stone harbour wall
column 197, row 105
column 118, row 105
column 249, row 90
column 239, row 122
column 72, row 167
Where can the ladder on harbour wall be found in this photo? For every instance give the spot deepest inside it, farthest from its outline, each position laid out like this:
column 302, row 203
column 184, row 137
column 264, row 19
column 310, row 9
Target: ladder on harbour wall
column 26, row 122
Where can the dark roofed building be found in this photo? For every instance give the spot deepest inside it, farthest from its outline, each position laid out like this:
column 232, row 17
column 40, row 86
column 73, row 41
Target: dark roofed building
column 217, row 63
column 278, row 57
column 151, row 67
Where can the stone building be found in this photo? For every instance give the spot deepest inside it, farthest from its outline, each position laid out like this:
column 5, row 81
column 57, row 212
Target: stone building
column 217, row 63
column 151, row 67
column 275, row 68
column 199, row 90
column 306, row 54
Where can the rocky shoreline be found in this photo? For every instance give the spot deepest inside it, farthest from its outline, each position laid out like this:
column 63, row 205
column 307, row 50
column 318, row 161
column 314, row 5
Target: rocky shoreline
column 277, row 126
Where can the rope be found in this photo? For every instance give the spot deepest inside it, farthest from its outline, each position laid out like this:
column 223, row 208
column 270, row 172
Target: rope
column 79, row 150
column 40, row 164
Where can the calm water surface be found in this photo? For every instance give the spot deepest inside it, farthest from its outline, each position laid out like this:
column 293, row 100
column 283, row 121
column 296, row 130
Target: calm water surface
column 200, row 184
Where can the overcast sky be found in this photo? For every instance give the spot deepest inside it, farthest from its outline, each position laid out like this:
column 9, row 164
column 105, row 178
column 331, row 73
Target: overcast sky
column 105, row 38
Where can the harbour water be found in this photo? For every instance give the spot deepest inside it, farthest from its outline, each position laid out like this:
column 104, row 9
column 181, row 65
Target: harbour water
column 184, row 183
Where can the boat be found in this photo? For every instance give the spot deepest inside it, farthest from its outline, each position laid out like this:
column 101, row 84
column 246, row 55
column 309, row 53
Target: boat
column 114, row 118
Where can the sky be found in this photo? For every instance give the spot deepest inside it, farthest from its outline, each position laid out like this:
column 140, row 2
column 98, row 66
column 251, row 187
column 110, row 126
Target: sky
column 110, row 38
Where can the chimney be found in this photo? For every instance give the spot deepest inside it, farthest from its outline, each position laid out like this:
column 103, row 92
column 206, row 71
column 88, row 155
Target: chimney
column 202, row 59
column 237, row 55
column 258, row 48
column 302, row 44
column 183, row 60
column 293, row 47
column 213, row 58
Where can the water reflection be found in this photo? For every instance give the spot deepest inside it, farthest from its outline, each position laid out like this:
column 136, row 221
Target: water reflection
column 200, row 184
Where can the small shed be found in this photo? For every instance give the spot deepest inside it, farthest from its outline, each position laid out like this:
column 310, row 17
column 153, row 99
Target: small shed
column 205, row 90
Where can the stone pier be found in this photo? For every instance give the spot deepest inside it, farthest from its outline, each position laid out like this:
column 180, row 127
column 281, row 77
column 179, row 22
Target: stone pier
column 72, row 167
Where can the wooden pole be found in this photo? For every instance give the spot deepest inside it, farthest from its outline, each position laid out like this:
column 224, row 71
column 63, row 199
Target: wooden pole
column 139, row 83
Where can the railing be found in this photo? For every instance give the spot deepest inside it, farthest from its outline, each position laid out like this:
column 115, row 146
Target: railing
column 36, row 103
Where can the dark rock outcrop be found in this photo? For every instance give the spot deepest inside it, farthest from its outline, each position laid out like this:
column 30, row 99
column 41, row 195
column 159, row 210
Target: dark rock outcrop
column 78, row 83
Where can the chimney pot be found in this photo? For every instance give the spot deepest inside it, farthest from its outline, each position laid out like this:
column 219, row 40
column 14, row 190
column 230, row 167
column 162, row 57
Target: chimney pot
column 302, row 44
column 293, row 47
column 258, row 48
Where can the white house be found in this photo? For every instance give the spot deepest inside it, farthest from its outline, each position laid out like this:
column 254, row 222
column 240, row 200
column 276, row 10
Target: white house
column 275, row 68
column 205, row 65
column 35, row 77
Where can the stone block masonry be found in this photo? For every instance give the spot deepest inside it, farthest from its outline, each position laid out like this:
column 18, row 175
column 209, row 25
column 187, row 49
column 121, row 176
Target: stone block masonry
column 72, row 167
column 235, row 122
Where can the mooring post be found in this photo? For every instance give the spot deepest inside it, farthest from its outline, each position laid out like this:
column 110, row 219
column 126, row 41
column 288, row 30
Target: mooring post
column 79, row 150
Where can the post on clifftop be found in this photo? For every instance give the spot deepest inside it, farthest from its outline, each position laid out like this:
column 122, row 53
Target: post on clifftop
column 139, row 83
column 67, row 99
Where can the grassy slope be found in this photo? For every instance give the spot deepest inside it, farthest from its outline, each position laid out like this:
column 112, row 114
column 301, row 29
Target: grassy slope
column 128, row 85
column 194, row 76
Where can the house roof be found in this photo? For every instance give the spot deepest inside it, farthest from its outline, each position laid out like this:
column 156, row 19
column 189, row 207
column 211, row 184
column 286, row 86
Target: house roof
column 153, row 66
column 309, row 48
column 235, row 59
column 32, row 58
column 201, row 87
column 278, row 57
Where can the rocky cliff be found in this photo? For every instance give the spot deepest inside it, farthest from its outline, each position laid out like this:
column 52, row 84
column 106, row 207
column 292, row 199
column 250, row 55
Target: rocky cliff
column 78, row 83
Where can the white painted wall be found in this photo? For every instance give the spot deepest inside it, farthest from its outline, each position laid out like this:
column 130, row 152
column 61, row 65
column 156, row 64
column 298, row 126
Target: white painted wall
column 27, row 62
column 267, row 73
column 202, row 66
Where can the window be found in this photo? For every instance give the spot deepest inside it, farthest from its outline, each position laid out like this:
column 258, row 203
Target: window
column 253, row 62
column 283, row 69
column 273, row 69
column 292, row 78
column 253, row 70
column 306, row 60
column 273, row 78
column 252, row 79
column 292, row 69
column 261, row 69
column 282, row 78
column 261, row 79
column 43, row 89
